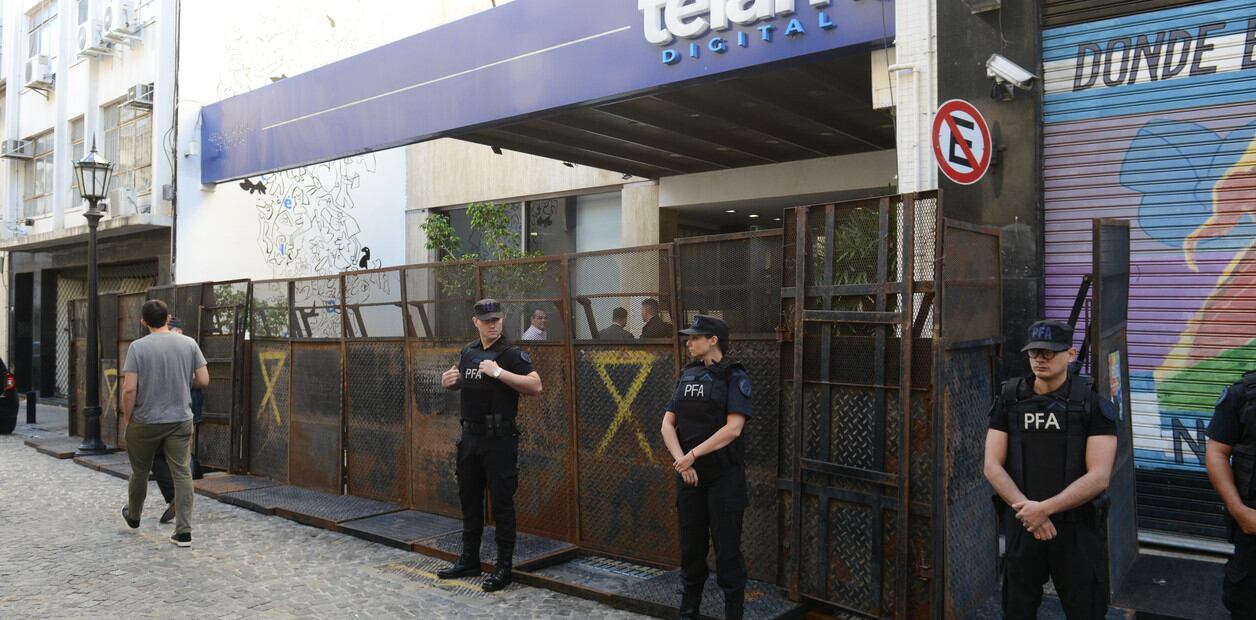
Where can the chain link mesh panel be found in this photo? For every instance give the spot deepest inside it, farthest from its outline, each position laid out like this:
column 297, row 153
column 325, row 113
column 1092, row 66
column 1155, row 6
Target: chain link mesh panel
column 376, row 421
column 627, row 487
column 314, row 451
column 269, row 312
column 373, row 305
column 530, row 295
column 213, row 445
column 545, row 501
column 434, row 429
column 316, row 309
column 269, row 410
column 639, row 281
column 736, row 279
column 439, row 301
column 69, row 291
column 762, row 439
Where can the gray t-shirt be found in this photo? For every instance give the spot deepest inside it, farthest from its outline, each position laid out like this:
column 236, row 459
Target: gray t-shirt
column 164, row 363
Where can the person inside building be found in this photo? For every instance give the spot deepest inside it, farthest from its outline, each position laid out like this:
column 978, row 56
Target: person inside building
column 702, row 429
column 618, row 329
column 1231, row 460
column 490, row 376
column 1049, row 455
column 536, row 328
column 161, row 468
column 655, row 326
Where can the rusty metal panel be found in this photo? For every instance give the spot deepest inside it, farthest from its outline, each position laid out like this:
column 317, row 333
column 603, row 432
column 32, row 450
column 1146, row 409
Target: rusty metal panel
column 314, row 449
column 316, row 309
column 270, row 309
column 434, row 429
column 110, row 385
column 627, row 487
column 438, row 301
column 735, row 277
column 600, row 282
column 545, row 501
column 213, row 445
column 78, row 357
column 376, row 441
column 269, row 401
column 762, row 439
column 129, row 326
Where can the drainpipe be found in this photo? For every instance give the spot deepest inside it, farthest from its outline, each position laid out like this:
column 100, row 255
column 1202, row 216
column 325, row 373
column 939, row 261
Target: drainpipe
column 914, row 68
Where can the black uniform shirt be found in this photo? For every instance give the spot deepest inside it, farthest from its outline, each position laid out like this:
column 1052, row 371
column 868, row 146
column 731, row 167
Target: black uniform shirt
column 1225, row 426
column 1048, row 453
column 482, row 394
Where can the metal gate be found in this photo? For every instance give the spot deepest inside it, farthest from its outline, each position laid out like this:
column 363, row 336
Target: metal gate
column 220, row 328
column 1110, row 368
column 270, row 377
column 878, row 386
column 129, row 330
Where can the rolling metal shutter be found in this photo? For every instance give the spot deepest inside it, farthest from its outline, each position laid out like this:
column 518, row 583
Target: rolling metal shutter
column 1151, row 117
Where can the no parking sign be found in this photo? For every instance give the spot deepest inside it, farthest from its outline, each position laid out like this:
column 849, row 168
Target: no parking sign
column 961, row 142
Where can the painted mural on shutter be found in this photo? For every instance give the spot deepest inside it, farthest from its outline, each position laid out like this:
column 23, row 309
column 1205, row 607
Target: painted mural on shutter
column 1152, row 118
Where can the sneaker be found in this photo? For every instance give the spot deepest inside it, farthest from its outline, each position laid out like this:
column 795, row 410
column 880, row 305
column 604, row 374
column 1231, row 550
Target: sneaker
column 126, row 516
column 168, row 515
column 181, row 540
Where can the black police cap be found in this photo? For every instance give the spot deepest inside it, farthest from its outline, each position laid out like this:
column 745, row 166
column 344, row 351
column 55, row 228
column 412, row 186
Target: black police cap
column 704, row 325
column 488, row 308
column 1050, row 335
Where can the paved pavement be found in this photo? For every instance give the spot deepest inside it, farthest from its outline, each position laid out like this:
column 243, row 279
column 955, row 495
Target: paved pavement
column 66, row 553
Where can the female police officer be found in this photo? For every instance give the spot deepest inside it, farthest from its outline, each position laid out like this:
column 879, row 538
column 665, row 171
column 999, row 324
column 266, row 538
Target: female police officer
column 702, row 430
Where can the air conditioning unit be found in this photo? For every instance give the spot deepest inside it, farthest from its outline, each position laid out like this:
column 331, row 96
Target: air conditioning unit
column 139, row 97
column 120, row 25
column 91, row 40
column 122, row 201
column 38, row 72
column 17, row 149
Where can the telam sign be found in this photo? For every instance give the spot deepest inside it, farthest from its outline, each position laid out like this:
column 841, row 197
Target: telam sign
column 667, row 20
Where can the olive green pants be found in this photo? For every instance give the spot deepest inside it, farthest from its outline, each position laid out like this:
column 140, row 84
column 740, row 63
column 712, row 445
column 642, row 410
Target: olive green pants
column 143, row 441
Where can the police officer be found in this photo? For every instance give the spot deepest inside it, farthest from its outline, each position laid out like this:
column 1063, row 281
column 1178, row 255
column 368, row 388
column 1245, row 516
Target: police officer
column 490, row 375
column 702, row 430
column 1230, row 461
column 1050, row 448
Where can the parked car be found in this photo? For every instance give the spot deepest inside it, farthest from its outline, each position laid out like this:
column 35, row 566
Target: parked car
column 8, row 401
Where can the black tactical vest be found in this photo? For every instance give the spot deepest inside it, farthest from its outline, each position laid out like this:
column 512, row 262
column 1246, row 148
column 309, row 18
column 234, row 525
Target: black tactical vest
column 1048, row 423
column 1243, row 456
column 702, row 409
column 482, row 395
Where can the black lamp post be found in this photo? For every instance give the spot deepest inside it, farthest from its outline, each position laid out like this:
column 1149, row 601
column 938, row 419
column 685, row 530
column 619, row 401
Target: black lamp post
column 93, row 176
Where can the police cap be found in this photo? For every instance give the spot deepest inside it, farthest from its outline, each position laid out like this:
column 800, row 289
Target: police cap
column 704, row 325
column 1049, row 335
column 487, row 308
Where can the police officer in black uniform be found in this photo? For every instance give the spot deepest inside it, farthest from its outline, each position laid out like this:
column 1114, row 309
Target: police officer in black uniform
column 702, row 429
column 1231, row 459
column 1050, row 449
column 491, row 375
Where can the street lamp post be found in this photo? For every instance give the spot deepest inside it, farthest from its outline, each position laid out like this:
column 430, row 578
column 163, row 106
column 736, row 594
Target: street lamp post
column 93, row 176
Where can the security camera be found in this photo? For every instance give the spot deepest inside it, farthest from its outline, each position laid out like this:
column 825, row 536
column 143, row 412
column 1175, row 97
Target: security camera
column 1004, row 71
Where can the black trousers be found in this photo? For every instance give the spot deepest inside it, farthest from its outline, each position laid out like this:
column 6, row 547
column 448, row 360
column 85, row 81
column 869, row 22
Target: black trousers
column 161, row 472
column 712, row 512
column 490, row 463
column 1238, row 591
column 1073, row 560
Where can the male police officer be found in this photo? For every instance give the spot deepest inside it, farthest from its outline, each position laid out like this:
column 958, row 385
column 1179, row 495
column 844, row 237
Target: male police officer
column 1231, row 459
column 491, row 375
column 1049, row 454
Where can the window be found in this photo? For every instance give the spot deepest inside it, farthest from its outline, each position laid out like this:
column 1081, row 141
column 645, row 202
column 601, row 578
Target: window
column 471, row 241
column 129, row 145
column 42, row 35
column 37, row 199
column 84, row 11
column 76, row 154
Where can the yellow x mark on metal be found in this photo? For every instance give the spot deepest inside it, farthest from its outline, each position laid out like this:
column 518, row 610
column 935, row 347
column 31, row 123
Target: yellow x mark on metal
column 269, row 375
column 644, row 361
column 111, row 381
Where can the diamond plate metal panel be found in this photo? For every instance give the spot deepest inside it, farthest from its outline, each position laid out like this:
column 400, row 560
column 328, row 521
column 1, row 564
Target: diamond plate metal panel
column 545, row 501
column 378, row 463
column 850, row 555
column 269, row 410
column 852, row 441
column 627, row 488
column 762, row 438
column 434, row 429
column 314, row 451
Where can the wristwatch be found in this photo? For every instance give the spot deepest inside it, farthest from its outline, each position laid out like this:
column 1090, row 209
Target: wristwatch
column 498, row 374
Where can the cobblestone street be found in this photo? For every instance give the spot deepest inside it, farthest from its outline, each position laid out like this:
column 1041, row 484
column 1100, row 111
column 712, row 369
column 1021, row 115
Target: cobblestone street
column 68, row 554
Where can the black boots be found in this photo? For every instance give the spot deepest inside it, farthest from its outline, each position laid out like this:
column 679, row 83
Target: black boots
column 501, row 576
column 468, row 565
column 734, row 605
column 690, row 603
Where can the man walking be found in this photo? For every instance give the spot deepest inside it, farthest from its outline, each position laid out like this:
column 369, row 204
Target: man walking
column 490, row 376
column 161, row 469
column 160, row 371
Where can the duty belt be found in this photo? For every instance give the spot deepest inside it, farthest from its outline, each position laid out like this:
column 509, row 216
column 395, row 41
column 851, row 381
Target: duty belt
column 492, row 426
